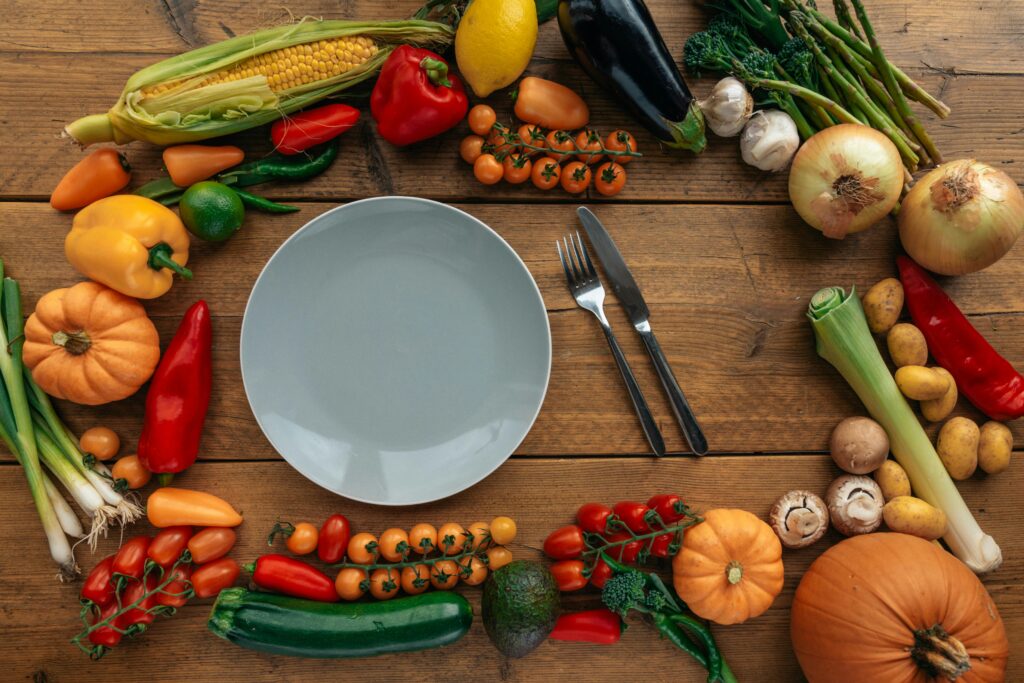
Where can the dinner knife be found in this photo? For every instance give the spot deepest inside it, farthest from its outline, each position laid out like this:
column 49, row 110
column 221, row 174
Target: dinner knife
column 628, row 292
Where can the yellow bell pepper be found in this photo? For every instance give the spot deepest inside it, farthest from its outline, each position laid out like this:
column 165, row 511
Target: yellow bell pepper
column 129, row 243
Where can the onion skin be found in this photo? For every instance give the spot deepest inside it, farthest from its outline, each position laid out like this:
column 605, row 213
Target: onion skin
column 846, row 151
column 961, row 217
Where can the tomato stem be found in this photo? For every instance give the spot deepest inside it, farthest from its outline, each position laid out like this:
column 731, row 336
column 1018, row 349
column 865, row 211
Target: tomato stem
column 516, row 140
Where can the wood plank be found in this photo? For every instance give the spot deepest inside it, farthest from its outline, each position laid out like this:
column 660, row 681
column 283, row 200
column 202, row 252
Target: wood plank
column 728, row 287
column 38, row 629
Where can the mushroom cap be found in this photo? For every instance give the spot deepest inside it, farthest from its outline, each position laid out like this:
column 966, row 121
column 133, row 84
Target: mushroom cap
column 854, row 504
column 859, row 445
column 799, row 518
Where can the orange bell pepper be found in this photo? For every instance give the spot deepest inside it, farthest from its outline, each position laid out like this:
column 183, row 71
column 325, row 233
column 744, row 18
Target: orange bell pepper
column 99, row 175
column 188, row 164
column 183, row 507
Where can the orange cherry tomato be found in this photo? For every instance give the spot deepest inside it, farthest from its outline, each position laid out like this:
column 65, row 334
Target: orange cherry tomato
column 546, row 173
column 560, row 145
column 451, row 538
column 423, row 538
column 210, row 579
column 394, row 545
column 488, row 169
column 575, row 177
column 503, row 530
column 349, row 583
column 415, row 579
column 516, row 168
column 481, row 535
column 498, row 557
column 131, row 469
column 532, row 135
column 470, row 148
column 302, row 540
column 444, row 575
column 481, row 118
column 384, row 583
column 98, row 175
column 609, row 178
column 100, row 442
column 167, row 546
column 588, row 141
column 211, row 543
column 472, row 571
column 363, row 548
column 621, row 141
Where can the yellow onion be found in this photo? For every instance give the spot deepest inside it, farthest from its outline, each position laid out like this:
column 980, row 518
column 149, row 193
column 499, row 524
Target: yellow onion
column 845, row 179
column 961, row 217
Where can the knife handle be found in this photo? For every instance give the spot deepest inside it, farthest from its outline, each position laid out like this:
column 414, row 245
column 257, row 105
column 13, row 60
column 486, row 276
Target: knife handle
column 651, row 430
column 687, row 420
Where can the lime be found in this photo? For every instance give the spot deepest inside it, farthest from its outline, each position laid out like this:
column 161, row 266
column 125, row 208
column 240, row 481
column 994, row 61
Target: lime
column 212, row 211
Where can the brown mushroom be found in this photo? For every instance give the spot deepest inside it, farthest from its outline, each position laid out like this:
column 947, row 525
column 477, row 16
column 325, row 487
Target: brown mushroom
column 859, row 445
column 855, row 504
column 799, row 518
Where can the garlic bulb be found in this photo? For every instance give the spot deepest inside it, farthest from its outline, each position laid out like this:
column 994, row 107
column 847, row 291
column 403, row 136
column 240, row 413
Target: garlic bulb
column 769, row 140
column 728, row 107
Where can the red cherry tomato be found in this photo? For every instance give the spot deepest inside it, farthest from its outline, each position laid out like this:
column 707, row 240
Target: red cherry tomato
column 565, row 543
column 627, row 552
column 593, row 517
column 212, row 543
column 602, row 572
column 141, row 613
column 632, row 515
column 334, row 536
column 130, row 560
column 107, row 636
column 669, row 506
column 168, row 545
column 174, row 593
column 660, row 545
column 97, row 587
column 212, row 578
column 568, row 575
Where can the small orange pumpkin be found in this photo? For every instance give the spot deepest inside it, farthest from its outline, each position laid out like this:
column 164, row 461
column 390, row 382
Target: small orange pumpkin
column 729, row 568
column 895, row 608
column 90, row 344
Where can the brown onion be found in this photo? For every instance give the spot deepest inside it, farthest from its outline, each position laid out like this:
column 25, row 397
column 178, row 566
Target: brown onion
column 961, row 217
column 845, row 179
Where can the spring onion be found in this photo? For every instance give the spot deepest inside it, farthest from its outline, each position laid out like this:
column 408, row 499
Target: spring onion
column 843, row 339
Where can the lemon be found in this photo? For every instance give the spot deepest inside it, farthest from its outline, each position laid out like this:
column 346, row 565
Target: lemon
column 494, row 42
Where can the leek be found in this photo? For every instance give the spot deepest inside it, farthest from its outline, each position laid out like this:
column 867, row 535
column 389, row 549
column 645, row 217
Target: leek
column 843, row 339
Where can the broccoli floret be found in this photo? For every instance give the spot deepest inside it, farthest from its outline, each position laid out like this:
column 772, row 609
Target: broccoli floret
column 624, row 591
column 706, row 51
column 655, row 601
column 759, row 63
column 798, row 61
column 732, row 32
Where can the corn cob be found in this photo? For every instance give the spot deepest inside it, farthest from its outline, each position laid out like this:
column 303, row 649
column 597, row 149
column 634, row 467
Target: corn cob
column 250, row 80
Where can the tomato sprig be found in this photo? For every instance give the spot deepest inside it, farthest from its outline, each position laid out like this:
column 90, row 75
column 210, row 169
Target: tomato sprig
column 595, row 148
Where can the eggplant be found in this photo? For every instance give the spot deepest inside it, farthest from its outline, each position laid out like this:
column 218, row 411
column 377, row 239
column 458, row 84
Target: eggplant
column 618, row 45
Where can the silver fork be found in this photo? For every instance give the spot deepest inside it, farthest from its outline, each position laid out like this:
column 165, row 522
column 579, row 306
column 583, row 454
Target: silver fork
column 588, row 292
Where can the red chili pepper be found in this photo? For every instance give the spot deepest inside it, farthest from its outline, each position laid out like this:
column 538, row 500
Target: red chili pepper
column 601, row 626
column 130, row 560
column 168, row 545
column 295, row 134
column 179, row 394
column 415, row 97
column 106, row 636
column 982, row 375
column 333, row 540
column 289, row 576
column 175, row 593
column 140, row 614
column 98, row 589
column 669, row 507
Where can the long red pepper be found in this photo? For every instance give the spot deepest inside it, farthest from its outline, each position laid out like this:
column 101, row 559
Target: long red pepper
column 178, row 397
column 601, row 626
column 982, row 375
column 283, row 574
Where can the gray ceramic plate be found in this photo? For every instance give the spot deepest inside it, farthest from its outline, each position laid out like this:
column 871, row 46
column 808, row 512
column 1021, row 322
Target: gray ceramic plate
column 395, row 350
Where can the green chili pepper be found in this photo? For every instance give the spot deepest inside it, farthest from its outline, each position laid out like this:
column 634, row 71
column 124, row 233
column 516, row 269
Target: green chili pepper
column 675, row 635
column 262, row 203
column 703, row 634
column 281, row 167
column 162, row 190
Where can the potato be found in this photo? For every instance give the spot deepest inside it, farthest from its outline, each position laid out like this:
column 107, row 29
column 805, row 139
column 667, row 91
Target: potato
column 958, row 447
column 906, row 345
column 892, row 479
column 939, row 409
column 883, row 304
column 909, row 515
column 921, row 383
column 994, row 447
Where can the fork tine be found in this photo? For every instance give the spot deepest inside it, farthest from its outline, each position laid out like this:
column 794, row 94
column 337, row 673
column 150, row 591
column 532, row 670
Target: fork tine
column 561, row 257
column 586, row 254
column 579, row 257
column 576, row 271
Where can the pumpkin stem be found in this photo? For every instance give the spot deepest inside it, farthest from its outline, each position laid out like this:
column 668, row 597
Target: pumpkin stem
column 75, row 343
column 733, row 572
column 940, row 654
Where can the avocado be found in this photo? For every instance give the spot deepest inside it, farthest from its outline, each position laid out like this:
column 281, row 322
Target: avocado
column 520, row 605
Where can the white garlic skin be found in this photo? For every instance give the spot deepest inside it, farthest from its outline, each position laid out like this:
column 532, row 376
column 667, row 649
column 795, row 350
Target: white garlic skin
column 769, row 140
column 728, row 107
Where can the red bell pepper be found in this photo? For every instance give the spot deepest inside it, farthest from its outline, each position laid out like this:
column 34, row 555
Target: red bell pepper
column 295, row 134
column 982, row 375
column 98, row 589
column 600, row 626
column 415, row 97
column 286, row 575
column 178, row 397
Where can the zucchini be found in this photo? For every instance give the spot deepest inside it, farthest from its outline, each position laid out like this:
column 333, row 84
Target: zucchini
column 283, row 625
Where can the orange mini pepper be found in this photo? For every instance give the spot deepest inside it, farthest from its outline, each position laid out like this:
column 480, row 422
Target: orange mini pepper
column 183, row 507
column 188, row 164
column 98, row 175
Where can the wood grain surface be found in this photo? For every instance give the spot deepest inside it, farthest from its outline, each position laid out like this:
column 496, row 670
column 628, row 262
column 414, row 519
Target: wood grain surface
column 725, row 263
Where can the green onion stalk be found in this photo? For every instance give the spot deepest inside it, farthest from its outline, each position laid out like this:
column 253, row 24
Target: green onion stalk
column 844, row 340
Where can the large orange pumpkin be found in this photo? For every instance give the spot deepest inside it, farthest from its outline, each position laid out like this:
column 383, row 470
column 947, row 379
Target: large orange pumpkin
column 729, row 568
column 90, row 344
column 895, row 608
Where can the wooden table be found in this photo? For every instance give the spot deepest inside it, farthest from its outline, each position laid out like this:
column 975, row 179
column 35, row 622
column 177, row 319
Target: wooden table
column 727, row 267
